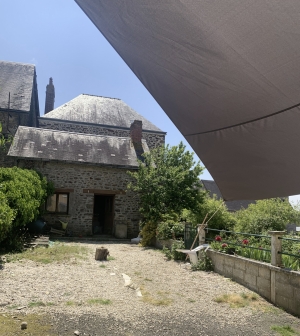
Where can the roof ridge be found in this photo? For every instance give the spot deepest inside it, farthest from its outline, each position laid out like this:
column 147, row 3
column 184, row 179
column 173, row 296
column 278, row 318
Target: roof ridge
column 88, row 94
column 19, row 63
column 78, row 133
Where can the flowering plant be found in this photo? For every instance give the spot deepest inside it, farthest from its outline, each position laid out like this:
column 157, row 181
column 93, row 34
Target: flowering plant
column 218, row 238
column 245, row 241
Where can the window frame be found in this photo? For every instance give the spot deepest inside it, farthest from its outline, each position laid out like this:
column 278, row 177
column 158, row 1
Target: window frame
column 57, row 193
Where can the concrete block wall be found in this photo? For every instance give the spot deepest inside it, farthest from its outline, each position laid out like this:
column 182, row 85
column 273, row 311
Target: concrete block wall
column 153, row 139
column 277, row 285
column 77, row 177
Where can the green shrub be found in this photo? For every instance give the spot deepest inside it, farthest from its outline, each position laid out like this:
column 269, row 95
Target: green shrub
column 6, row 216
column 266, row 215
column 172, row 253
column 203, row 264
column 169, row 230
column 222, row 220
column 22, row 192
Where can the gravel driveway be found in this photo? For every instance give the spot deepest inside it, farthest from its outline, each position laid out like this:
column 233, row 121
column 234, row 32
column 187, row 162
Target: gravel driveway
column 90, row 297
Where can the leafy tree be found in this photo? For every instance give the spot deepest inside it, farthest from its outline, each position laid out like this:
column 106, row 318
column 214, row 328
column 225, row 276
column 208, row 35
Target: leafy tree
column 222, row 219
column 22, row 192
column 4, row 140
column 6, row 216
column 265, row 215
column 167, row 181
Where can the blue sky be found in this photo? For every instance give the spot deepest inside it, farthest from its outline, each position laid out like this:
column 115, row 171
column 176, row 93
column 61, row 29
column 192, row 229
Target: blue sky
column 62, row 42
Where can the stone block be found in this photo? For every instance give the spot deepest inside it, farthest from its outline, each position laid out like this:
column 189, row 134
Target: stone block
column 240, row 264
column 266, row 293
column 121, row 231
column 282, row 277
column 228, row 260
column 238, row 274
column 294, row 307
column 282, row 302
column 263, row 283
column 252, row 269
column 295, row 280
column 228, row 271
column 250, row 280
column 285, row 290
column 264, row 272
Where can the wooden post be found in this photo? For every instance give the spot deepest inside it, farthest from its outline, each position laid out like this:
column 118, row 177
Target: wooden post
column 101, row 253
column 201, row 232
column 276, row 258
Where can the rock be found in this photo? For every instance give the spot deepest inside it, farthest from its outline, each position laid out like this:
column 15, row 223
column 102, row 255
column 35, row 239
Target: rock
column 24, row 325
column 76, row 332
column 19, row 308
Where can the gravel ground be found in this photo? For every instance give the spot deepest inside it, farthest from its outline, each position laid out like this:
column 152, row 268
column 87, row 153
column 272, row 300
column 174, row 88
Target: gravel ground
column 176, row 301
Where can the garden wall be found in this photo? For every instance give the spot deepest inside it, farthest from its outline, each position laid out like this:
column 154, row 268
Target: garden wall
column 279, row 286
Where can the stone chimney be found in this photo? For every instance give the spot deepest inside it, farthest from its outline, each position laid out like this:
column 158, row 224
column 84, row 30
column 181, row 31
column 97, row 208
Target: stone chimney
column 136, row 133
column 50, row 96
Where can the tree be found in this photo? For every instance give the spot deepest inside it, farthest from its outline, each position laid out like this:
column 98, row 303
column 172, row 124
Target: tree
column 4, row 140
column 265, row 215
column 222, row 219
column 22, row 192
column 167, row 181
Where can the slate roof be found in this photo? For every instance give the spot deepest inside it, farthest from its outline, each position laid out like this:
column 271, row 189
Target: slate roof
column 45, row 144
column 99, row 110
column 16, row 79
column 213, row 189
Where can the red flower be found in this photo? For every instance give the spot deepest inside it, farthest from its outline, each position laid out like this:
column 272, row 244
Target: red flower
column 245, row 241
column 224, row 245
column 218, row 238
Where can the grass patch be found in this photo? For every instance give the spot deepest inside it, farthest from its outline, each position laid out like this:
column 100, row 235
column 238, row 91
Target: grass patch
column 56, row 253
column 161, row 300
column 147, row 279
column 111, row 258
column 102, row 266
column 191, row 300
column 98, row 301
column 237, row 300
column 70, row 303
column 36, row 304
column 37, row 325
column 284, row 330
column 12, row 307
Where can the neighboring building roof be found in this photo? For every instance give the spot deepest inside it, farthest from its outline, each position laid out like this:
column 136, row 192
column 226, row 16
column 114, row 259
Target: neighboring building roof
column 44, row 144
column 213, row 189
column 99, row 110
column 16, row 85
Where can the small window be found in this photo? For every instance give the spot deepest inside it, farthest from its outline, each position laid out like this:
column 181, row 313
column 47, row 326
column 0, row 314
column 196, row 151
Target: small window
column 59, row 203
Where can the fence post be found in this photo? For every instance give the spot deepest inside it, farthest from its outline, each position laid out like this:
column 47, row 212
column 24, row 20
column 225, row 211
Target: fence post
column 201, row 231
column 276, row 258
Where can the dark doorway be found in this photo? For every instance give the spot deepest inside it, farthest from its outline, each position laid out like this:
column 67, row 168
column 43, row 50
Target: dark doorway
column 103, row 215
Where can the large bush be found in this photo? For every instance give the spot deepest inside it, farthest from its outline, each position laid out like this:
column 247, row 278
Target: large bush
column 22, row 193
column 222, row 219
column 6, row 216
column 265, row 215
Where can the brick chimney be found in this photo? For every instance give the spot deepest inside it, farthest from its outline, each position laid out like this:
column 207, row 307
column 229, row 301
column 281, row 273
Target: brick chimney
column 50, row 96
column 136, row 133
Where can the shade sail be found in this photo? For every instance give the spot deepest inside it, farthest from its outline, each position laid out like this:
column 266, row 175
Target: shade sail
column 227, row 73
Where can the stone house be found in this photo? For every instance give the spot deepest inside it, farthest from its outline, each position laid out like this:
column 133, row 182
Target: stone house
column 85, row 147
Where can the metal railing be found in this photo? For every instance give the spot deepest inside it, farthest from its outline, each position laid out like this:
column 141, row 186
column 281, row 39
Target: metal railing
column 273, row 255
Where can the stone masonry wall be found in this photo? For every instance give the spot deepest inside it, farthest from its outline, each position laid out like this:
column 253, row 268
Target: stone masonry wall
column 10, row 121
column 277, row 285
column 82, row 176
column 153, row 139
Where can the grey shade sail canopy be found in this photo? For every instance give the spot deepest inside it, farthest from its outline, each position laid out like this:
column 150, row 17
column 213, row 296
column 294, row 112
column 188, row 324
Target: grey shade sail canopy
column 227, row 73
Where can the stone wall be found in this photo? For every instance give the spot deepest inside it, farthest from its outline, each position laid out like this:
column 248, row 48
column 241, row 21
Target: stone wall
column 10, row 121
column 77, row 177
column 153, row 139
column 277, row 285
